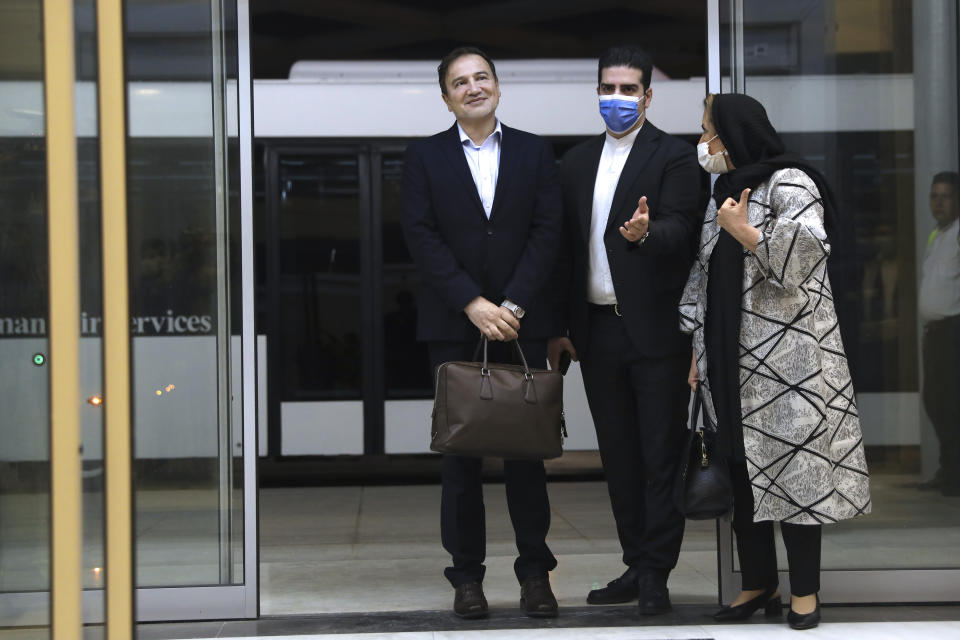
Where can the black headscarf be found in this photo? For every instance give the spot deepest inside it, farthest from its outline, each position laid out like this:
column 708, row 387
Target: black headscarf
column 756, row 151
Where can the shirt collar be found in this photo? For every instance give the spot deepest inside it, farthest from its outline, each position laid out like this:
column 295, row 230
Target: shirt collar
column 625, row 140
column 464, row 138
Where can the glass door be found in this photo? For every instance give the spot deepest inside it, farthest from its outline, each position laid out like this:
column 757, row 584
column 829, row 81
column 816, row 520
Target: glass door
column 871, row 100
column 192, row 365
column 191, row 310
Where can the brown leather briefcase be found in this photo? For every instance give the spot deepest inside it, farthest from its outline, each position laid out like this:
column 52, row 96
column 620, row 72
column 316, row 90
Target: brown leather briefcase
column 498, row 410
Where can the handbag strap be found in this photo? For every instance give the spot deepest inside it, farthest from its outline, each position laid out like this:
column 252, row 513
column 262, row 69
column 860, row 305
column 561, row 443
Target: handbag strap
column 708, row 422
column 516, row 345
column 695, row 410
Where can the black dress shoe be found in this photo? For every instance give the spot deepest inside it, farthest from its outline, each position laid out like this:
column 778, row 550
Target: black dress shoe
column 623, row 589
column 772, row 606
column 653, row 595
column 537, row 599
column 469, row 601
column 800, row 621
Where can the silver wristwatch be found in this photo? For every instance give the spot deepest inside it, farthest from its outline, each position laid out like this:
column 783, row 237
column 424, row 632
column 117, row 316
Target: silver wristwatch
column 514, row 308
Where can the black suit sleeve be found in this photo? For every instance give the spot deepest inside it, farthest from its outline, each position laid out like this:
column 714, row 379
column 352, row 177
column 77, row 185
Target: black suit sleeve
column 677, row 217
column 535, row 266
column 437, row 265
column 561, row 282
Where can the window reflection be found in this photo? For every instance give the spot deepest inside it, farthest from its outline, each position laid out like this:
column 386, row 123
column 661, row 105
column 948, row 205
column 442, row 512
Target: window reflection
column 320, row 288
column 407, row 366
column 939, row 308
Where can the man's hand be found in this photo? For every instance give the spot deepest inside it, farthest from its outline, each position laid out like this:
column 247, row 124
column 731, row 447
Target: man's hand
column 694, row 376
column 495, row 322
column 637, row 226
column 556, row 346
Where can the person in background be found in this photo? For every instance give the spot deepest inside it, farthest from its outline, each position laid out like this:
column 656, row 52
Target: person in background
column 769, row 358
column 939, row 307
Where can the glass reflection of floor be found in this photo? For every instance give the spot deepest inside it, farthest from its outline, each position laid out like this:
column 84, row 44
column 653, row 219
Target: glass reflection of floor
column 377, row 548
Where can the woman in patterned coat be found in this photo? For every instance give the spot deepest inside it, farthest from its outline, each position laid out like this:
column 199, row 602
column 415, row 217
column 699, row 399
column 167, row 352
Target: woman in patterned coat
column 768, row 355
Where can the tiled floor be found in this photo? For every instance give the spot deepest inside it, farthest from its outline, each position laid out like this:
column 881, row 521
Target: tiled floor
column 341, row 549
column 326, row 550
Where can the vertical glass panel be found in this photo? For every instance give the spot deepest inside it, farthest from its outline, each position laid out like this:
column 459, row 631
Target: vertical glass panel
column 91, row 298
column 24, row 388
column 406, row 362
column 871, row 101
column 319, row 248
column 179, row 197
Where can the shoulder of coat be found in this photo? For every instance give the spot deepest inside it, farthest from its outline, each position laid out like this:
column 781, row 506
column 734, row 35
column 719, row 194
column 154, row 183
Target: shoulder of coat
column 791, row 176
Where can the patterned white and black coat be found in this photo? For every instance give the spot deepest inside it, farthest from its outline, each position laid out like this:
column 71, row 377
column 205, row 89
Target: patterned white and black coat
column 801, row 429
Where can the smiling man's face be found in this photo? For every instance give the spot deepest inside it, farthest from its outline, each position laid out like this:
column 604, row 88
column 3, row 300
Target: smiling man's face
column 473, row 92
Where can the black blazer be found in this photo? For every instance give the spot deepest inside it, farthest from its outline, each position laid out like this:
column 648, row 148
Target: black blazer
column 648, row 279
column 460, row 254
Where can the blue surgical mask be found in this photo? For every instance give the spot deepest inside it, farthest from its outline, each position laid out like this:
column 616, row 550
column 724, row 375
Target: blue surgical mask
column 619, row 112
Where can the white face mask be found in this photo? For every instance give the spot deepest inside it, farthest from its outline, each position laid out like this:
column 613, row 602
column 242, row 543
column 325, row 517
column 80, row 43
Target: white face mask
column 711, row 162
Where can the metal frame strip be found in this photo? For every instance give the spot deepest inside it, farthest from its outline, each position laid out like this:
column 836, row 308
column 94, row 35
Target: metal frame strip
column 118, row 445
column 251, row 532
column 220, row 189
column 738, row 78
column 713, row 46
column 64, row 341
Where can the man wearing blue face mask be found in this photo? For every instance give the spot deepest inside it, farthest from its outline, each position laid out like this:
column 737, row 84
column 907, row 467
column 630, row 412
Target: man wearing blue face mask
column 632, row 217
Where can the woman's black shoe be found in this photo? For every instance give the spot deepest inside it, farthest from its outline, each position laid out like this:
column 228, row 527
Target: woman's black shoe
column 772, row 606
column 800, row 621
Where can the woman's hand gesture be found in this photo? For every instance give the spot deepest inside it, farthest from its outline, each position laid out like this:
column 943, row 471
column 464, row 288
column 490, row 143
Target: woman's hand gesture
column 732, row 216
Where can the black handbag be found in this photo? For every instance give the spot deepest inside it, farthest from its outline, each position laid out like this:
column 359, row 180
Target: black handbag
column 498, row 410
column 703, row 490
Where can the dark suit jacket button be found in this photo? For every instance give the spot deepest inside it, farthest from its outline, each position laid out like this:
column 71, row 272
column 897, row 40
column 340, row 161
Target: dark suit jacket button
column 489, row 232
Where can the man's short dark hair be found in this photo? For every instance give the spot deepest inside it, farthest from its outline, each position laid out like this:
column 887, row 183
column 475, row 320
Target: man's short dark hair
column 626, row 56
column 947, row 177
column 452, row 57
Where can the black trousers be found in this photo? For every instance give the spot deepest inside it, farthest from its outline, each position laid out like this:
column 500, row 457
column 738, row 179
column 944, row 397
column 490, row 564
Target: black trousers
column 462, row 519
column 639, row 408
column 756, row 548
column 941, row 391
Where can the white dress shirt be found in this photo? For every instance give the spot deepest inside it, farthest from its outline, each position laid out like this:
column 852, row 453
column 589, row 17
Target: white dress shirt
column 614, row 156
column 940, row 284
column 484, row 163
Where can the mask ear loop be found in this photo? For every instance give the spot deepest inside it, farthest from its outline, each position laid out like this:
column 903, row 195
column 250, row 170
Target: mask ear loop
column 707, row 142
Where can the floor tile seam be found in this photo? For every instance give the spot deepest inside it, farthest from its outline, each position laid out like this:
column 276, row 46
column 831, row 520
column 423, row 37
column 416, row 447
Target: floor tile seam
column 355, row 538
column 569, row 524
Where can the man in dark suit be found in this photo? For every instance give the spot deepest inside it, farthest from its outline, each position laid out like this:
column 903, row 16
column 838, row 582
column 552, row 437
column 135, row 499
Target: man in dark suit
column 482, row 219
column 630, row 201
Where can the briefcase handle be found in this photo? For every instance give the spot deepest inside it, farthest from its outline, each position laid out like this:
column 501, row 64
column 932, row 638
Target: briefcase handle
column 486, row 369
